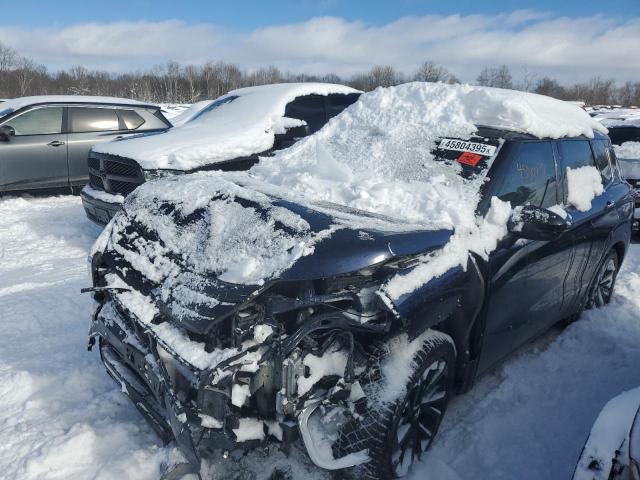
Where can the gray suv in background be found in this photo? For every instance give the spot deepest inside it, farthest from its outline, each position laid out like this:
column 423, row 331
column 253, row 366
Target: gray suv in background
column 45, row 140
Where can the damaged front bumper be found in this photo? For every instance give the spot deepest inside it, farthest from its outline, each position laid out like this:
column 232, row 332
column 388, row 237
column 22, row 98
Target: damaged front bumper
column 203, row 410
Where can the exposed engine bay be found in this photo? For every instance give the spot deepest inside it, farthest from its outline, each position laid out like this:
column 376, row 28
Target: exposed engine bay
column 290, row 363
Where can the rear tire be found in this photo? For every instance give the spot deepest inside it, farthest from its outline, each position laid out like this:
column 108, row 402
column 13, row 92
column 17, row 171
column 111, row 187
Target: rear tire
column 397, row 433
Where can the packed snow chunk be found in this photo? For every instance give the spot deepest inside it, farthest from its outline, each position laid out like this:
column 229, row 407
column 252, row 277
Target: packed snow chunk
column 333, row 362
column 209, row 422
column 399, row 364
column 102, row 195
column 262, row 332
column 249, row 429
column 608, row 434
column 584, row 184
column 239, row 394
column 242, row 123
column 628, row 150
column 481, row 238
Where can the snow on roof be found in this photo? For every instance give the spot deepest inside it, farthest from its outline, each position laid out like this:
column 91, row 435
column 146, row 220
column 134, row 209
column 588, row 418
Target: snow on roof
column 18, row 103
column 238, row 128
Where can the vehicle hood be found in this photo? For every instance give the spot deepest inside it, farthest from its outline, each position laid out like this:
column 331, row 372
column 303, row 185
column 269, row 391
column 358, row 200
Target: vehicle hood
column 201, row 254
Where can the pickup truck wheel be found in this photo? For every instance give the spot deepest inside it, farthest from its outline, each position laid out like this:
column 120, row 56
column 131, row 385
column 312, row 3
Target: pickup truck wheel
column 604, row 281
column 396, row 434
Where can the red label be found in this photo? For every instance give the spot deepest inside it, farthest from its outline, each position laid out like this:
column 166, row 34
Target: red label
column 468, row 158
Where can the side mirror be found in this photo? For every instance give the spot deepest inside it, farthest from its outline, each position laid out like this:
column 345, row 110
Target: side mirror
column 6, row 132
column 535, row 223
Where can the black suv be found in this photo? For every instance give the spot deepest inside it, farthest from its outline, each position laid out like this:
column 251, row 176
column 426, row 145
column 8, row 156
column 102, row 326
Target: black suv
column 218, row 365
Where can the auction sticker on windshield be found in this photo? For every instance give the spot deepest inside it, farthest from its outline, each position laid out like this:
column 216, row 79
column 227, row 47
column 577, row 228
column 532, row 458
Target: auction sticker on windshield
column 463, row 146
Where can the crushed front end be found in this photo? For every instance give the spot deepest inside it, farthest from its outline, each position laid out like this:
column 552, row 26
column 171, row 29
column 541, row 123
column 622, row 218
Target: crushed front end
column 280, row 361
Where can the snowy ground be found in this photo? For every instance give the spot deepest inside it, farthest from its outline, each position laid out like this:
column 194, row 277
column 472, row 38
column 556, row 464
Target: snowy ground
column 63, row 418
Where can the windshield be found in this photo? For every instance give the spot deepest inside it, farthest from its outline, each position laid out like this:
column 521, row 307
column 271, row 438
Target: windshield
column 213, row 106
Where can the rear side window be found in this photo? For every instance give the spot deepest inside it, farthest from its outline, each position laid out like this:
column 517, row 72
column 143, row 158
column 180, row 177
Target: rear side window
column 131, row 119
column 88, row 119
column 309, row 108
column 574, row 154
column 39, row 121
column 601, row 156
column 531, row 176
column 336, row 103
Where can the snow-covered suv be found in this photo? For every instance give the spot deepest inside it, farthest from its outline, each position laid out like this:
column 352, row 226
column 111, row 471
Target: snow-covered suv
column 229, row 133
column 344, row 289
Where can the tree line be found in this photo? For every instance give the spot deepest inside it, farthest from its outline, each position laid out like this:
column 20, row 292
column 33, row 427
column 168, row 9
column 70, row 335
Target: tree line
column 178, row 83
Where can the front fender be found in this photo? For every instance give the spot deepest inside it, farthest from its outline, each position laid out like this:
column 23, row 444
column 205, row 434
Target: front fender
column 450, row 302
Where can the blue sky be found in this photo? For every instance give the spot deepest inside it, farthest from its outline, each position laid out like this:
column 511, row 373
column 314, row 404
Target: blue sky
column 246, row 15
column 569, row 40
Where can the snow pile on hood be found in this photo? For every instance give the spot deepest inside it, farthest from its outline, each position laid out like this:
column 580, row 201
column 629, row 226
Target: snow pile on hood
column 214, row 225
column 17, row 103
column 628, row 150
column 584, row 184
column 239, row 127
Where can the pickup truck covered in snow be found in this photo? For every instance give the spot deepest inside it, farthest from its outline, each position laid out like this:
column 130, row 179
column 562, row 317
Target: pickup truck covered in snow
column 342, row 290
column 229, row 133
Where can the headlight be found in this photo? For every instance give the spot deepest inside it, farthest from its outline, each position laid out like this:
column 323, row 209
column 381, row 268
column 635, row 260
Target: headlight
column 155, row 174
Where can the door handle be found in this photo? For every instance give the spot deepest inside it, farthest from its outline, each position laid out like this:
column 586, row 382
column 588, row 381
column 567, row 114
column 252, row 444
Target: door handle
column 55, row 143
column 610, row 204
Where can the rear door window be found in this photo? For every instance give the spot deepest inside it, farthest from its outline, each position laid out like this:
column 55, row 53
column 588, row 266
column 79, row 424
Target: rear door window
column 90, row 119
column 309, row 108
column 39, row 121
column 574, row 154
column 531, row 176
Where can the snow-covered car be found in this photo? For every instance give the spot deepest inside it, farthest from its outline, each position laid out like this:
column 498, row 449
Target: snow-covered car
column 612, row 451
column 229, row 133
column 345, row 288
column 44, row 140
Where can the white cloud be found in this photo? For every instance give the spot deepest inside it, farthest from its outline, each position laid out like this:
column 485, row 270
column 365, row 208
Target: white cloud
column 569, row 49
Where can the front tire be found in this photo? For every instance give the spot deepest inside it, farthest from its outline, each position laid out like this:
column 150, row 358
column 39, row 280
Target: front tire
column 397, row 433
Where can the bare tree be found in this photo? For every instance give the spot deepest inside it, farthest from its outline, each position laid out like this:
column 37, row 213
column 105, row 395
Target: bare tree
column 499, row 77
column 8, row 57
column 430, row 72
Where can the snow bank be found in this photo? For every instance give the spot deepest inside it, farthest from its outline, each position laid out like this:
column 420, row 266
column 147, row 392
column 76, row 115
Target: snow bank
column 584, row 184
column 18, row 103
column 241, row 127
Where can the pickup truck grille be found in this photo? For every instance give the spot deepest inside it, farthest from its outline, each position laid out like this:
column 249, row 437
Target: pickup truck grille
column 113, row 174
